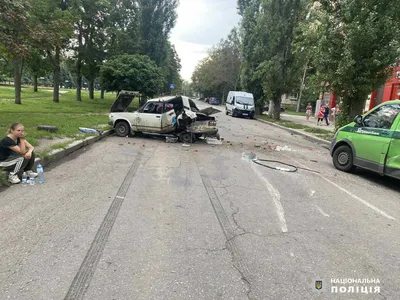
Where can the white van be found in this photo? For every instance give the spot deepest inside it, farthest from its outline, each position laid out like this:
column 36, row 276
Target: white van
column 240, row 104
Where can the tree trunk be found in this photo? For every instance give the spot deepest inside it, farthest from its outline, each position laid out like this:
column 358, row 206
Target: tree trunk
column 271, row 109
column 277, row 109
column 353, row 105
column 35, row 83
column 301, row 88
column 79, row 66
column 56, row 76
column 91, row 89
column 17, row 64
column 79, row 79
column 102, row 93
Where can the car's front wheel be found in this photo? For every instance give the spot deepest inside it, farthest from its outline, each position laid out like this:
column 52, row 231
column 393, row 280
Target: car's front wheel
column 187, row 138
column 343, row 158
column 122, row 128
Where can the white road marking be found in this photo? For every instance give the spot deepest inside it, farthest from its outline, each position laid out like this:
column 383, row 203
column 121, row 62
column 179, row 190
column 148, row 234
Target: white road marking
column 321, row 211
column 381, row 212
column 119, row 197
column 312, row 193
column 276, row 196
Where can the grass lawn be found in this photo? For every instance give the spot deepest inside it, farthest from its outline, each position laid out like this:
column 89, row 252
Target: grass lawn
column 293, row 112
column 321, row 133
column 68, row 115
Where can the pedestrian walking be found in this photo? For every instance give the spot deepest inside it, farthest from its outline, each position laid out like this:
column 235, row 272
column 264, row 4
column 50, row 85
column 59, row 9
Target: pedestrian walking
column 16, row 154
column 326, row 114
column 308, row 111
column 320, row 115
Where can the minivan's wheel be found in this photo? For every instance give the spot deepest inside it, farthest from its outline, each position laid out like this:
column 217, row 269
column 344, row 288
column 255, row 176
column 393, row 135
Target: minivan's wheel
column 187, row 138
column 122, row 128
column 343, row 158
column 226, row 111
column 233, row 114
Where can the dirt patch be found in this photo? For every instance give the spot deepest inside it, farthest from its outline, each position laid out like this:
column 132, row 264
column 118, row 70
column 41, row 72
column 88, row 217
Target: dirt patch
column 47, row 143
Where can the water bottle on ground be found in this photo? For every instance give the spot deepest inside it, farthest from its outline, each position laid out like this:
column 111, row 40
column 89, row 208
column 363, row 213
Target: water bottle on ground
column 24, row 178
column 31, row 181
column 39, row 170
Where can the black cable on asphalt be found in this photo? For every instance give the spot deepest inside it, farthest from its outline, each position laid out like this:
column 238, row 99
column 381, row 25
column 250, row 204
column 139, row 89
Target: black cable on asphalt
column 293, row 167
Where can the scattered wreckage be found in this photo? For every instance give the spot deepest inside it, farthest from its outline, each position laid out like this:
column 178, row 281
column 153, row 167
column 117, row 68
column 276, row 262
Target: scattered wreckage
column 170, row 116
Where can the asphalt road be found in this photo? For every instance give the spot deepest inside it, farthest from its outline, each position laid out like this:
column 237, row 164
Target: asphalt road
column 138, row 218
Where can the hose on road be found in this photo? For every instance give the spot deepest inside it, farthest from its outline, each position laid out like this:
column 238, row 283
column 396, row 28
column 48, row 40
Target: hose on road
column 292, row 168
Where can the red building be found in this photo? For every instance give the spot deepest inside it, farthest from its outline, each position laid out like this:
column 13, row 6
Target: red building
column 390, row 91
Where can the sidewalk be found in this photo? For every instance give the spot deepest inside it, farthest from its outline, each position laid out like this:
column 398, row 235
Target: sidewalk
column 312, row 122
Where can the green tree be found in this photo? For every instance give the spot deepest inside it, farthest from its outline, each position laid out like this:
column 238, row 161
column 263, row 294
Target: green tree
column 249, row 10
column 90, row 30
column 219, row 73
column 355, row 45
column 171, row 67
column 203, row 83
column 279, row 69
column 131, row 72
column 157, row 18
column 52, row 32
column 123, row 28
column 37, row 65
column 15, row 37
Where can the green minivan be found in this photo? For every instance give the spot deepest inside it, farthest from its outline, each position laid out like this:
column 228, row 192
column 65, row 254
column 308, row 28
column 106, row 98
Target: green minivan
column 371, row 142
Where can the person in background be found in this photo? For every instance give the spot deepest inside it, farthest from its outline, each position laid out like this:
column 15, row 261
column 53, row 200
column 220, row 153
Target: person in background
column 16, row 154
column 326, row 114
column 320, row 115
column 335, row 111
column 308, row 111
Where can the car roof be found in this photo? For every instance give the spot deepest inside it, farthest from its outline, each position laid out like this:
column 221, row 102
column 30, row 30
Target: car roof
column 241, row 93
column 164, row 98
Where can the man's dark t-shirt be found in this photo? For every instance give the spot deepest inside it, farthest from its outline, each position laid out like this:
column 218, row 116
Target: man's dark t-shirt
column 326, row 112
column 5, row 151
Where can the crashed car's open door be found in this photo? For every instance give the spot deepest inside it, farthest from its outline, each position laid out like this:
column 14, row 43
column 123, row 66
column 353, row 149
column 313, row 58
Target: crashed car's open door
column 168, row 118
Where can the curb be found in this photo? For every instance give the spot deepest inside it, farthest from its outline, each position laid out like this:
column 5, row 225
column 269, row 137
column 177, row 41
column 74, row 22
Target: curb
column 295, row 131
column 58, row 154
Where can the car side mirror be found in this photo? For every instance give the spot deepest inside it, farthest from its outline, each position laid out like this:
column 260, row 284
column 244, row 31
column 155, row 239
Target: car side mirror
column 359, row 120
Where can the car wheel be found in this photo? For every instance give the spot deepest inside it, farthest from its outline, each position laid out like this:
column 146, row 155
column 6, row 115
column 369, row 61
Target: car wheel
column 226, row 112
column 187, row 138
column 233, row 114
column 122, row 128
column 343, row 158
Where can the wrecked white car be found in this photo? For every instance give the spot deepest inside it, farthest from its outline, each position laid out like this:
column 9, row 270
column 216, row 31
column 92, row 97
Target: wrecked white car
column 168, row 116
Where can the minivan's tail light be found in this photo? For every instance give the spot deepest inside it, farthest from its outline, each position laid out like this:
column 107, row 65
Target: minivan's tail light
column 212, row 123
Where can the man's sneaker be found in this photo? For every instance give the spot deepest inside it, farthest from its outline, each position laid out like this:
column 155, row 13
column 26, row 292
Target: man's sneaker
column 13, row 179
column 31, row 174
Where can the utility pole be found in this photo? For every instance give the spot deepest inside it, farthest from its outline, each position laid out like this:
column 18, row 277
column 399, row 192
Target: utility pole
column 301, row 88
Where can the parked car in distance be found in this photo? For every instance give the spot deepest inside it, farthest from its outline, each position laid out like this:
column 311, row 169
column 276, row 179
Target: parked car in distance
column 266, row 107
column 371, row 142
column 214, row 101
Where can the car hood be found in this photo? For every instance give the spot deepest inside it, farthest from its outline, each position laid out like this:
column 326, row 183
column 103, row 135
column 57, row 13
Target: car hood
column 122, row 102
column 208, row 111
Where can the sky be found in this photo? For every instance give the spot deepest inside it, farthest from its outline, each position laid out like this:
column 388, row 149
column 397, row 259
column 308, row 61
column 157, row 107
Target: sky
column 200, row 25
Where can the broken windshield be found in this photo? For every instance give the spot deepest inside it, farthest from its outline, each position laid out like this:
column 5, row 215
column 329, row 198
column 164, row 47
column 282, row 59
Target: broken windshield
column 244, row 100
